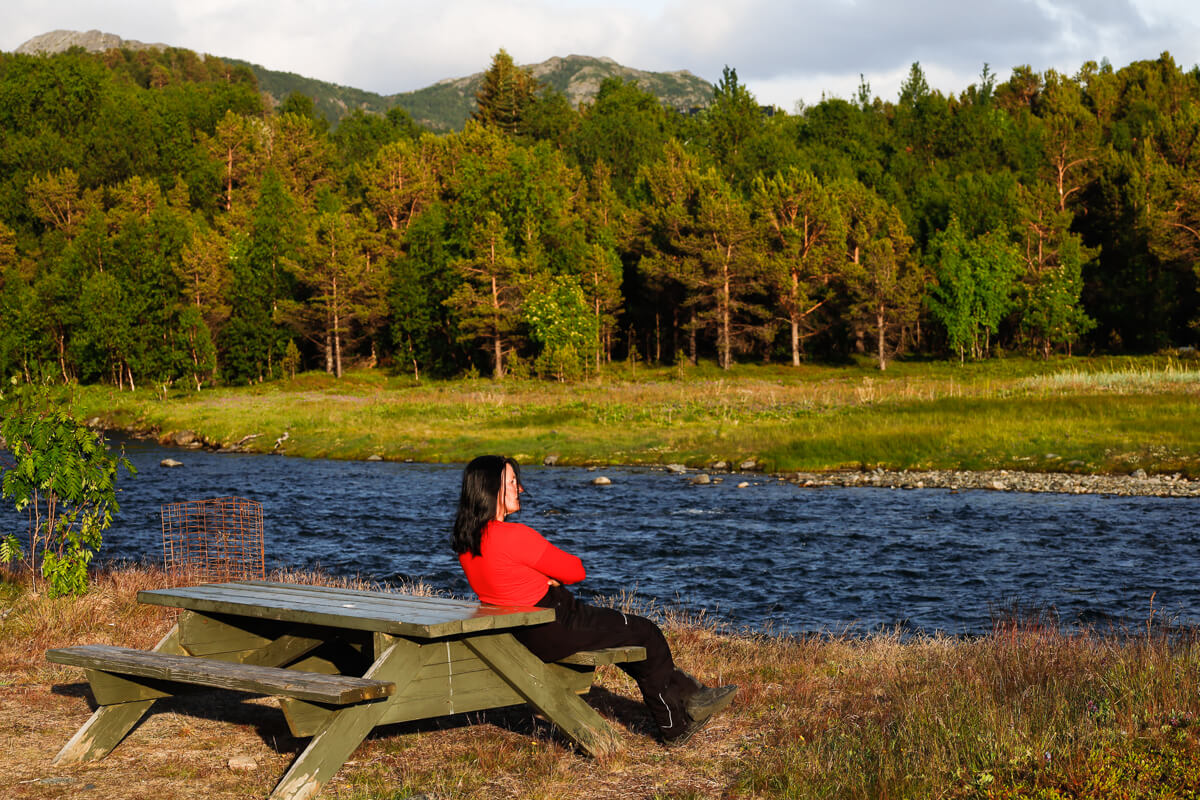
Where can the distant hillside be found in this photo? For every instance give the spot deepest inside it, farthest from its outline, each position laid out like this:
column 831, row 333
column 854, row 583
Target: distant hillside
column 447, row 104
column 331, row 99
column 444, row 106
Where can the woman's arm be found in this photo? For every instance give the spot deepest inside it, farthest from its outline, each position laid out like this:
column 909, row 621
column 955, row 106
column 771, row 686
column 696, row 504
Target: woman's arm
column 560, row 566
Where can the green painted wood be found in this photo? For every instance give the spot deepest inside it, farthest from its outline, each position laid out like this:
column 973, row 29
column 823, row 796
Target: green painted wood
column 437, row 692
column 543, row 689
column 430, row 611
column 206, row 635
column 467, row 606
column 422, row 700
column 432, row 602
column 100, row 734
column 344, row 729
column 108, row 725
column 576, row 679
column 608, row 655
column 271, row 643
column 334, row 689
column 343, row 603
column 352, row 660
column 110, row 689
column 393, row 614
column 305, row 718
column 287, row 649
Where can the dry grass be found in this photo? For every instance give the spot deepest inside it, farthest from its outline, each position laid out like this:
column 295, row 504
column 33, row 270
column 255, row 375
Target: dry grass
column 1030, row 711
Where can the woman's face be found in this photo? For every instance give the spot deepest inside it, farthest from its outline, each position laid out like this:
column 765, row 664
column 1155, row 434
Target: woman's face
column 509, row 499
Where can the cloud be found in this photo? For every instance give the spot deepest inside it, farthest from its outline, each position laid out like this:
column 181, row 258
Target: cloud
column 783, row 51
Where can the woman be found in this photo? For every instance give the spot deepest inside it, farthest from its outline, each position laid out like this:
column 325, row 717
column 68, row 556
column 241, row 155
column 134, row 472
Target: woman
column 511, row 564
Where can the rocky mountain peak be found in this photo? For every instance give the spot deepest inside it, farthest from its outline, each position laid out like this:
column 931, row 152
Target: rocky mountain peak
column 92, row 41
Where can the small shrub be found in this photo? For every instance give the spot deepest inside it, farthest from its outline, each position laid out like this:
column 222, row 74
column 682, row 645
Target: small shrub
column 61, row 470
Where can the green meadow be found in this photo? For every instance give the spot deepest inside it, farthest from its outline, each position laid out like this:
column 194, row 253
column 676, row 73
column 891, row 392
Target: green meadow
column 1087, row 415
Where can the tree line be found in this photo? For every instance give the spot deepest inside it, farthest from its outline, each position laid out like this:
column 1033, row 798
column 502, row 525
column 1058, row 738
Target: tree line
column 158, row 223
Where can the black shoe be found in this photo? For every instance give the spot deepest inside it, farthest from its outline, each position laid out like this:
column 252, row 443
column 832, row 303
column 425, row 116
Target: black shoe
column 700, row 709
column 687, row 733
column 706, row 702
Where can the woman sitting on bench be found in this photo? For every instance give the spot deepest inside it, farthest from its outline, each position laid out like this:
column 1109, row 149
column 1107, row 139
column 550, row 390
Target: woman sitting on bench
column 511, row 564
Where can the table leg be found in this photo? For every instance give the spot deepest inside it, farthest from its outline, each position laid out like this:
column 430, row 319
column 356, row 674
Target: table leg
column 347, row 727
column 109, row 724
column 529, row 676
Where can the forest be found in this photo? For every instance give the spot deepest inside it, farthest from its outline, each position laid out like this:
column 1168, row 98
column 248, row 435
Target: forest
column 159, row 224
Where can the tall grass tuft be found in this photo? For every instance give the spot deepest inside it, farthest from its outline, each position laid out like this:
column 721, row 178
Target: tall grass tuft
column 1173, row 376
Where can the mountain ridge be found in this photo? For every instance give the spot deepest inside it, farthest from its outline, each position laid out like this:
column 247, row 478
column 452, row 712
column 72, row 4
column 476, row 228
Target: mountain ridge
column 442, row 106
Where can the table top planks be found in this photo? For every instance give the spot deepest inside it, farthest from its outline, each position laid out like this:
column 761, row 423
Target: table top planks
column 354, row 609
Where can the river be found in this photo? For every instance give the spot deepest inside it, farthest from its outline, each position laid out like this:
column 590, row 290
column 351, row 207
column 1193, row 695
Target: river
column 771, row 556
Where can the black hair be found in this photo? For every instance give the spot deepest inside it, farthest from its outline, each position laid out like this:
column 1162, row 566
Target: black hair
column 481, row 483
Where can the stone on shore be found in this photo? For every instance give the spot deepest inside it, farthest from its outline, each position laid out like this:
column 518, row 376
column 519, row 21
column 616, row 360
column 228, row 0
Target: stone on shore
column 170, row 462
column 242, row 764
column 550, row 460
column 749, row 465
column 374, row 457
column 701, row 480
column 600, row 480
column 676, row 469
column 184, row 438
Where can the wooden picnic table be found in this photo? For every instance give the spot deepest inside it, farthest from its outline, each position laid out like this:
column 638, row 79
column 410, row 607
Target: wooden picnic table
column 342, row 662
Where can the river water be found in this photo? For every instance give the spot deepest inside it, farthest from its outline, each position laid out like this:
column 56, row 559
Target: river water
column 772, row 556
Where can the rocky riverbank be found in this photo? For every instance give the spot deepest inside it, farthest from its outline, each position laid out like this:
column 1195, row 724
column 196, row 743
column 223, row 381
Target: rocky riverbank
column 1137, row 484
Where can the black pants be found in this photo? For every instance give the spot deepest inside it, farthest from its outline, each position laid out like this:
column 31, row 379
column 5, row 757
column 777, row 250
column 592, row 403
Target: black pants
column 578, row 626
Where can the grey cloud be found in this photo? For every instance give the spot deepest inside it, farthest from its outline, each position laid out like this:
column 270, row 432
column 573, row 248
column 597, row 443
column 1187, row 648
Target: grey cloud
column 406, row 45
column 769, row 39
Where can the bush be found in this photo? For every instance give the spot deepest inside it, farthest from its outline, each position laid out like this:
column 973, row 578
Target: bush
column 62, row 473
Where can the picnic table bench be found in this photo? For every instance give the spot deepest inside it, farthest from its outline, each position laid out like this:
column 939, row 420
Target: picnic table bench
column 341, row 662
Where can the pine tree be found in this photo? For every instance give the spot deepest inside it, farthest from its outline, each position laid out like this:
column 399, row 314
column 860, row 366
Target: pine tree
column 488, row 302
column 702, row 237
column 506, row 94
column 883, row 282
column 806, row 232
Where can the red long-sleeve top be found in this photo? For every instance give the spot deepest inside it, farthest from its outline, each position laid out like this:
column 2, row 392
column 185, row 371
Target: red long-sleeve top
column 516, row 564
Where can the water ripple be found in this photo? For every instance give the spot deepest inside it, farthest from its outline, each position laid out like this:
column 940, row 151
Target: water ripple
column 771, row 554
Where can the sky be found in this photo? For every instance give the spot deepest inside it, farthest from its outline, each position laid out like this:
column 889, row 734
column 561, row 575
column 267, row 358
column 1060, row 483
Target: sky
column 786, row 53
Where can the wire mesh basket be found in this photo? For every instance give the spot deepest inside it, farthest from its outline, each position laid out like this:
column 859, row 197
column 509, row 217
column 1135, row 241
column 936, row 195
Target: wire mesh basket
column 210, row 541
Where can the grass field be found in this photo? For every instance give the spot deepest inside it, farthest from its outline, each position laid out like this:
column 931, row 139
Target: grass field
column 1109, row 415
column 1030, row 711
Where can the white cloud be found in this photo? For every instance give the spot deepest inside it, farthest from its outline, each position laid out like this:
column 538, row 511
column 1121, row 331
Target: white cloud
column 783, row 51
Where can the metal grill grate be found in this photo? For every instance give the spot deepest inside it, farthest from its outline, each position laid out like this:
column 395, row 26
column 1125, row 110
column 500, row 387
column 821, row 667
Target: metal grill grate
column 206, row 541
